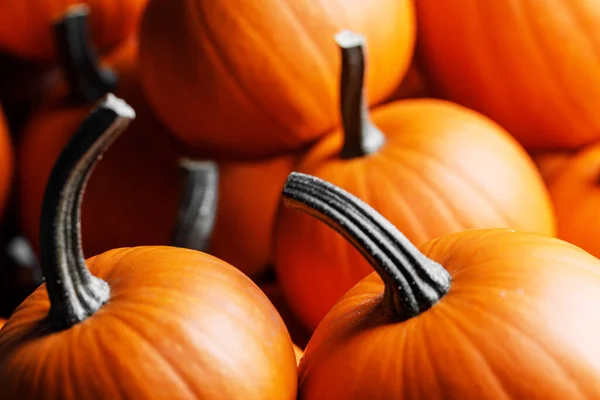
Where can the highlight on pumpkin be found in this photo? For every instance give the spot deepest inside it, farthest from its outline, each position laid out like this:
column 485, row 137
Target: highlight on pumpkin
column 424, row 310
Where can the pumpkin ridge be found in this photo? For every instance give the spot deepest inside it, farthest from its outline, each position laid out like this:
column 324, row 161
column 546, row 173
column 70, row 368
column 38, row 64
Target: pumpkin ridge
column 477, row 188
column 482, row 311
column 243, row 91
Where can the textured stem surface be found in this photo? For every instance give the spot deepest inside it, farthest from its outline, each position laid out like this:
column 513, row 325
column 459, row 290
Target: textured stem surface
column 361, row 137
column 87, row 80
column 199, row 202
column 74, row 292
column 413, row 282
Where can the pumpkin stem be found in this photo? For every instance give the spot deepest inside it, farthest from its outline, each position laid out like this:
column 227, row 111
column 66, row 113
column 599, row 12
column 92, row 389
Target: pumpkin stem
column 198, row 205
column 87, row 80
column 75, row 294
column 361, row 137
column 413, row 282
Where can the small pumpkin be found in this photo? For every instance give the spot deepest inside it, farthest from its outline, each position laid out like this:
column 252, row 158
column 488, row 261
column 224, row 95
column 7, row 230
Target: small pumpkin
column 6, row 162
column 145, row 322
column 134, row 196
column 247, row 79
column 479, row 314
column 26, row 25
column 532, row 66
column 576, row 198
column 429, row 166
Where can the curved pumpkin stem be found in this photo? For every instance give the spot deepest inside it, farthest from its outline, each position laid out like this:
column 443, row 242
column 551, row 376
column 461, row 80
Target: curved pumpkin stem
column 413, row 282
column 74, row 292
column 87, row 80
column 361, row 137
column 198, row 206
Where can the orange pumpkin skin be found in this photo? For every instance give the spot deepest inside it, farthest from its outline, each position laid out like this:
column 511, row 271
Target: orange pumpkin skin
column 148, row 335
column 530, row 65
column 505, row 330
column 6, row 162
column 26, row 25
column 249, row 79
column 577, row 200
column 443, row 169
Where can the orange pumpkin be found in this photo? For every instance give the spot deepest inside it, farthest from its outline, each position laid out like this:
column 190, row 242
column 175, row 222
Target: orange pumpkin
column 26, row 25
column 530, row 65
column 145, row 322
column 247, row 79
column 576, row 197
column 479, row 314
column 437, row 168
column 144, row 165
column 6, row 162
column 298, row 352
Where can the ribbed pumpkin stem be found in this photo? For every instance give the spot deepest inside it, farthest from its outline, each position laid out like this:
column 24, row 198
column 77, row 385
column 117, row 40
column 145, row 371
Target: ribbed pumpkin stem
column 87, row 80
column 361, row 137
column 198, row 208
column 75, row 294
column 413, row 282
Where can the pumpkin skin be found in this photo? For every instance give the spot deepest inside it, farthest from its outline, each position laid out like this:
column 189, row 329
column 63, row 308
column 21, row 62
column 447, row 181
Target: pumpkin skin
column 163, row 333
column 478, row 314
column 576, row 200
column 6, row 162
column 443, row 169
column 502, row 59
column 27, row 33
column 225, row 64
column 298, row 352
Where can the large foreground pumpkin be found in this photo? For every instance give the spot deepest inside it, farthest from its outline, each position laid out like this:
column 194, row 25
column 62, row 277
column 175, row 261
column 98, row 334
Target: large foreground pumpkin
column 480, row 314
column 429, row 166
column 26, row 25
column 145, row 322
column 530, row 65
column 253, row 79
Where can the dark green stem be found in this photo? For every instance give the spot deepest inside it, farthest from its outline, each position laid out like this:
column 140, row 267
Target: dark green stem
column 87, row 80
column 75, row 294
column 198, row 207
column 361, row 137
column 413, row 282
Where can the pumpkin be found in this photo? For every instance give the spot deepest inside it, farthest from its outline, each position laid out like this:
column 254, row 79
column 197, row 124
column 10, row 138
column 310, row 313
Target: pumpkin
column 479, row 314
column 26, row 25
column 437, row 168
column 552, row 163
column 248, row 79
column 6, row 162
column 574, row 193
column 152, row 322
column 134, row 196
column 530, row 65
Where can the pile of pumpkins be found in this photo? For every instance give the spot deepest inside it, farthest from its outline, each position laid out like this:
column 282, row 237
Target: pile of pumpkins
column 300, row 199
